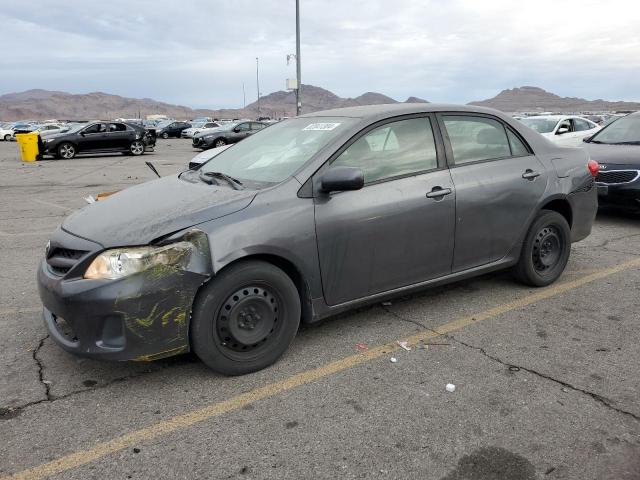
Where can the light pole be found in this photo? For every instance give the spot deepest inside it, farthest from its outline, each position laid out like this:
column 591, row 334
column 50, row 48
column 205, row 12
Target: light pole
column 244, row 97
column 298, row 70
column 258, row 82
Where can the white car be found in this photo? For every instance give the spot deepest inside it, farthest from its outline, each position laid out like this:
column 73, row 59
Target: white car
column 6, row 131
column 563, row 130
column 197, row 128
column 207, row 155
column 50, row 129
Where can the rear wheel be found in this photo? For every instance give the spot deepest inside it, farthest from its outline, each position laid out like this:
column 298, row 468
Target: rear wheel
column 220, row 142
column 66, row 150
column 136, row 148
column 545, row 251
column 245, row 318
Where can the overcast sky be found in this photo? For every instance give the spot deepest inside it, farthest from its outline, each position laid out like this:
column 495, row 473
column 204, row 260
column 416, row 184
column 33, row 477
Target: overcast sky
column 199, row 53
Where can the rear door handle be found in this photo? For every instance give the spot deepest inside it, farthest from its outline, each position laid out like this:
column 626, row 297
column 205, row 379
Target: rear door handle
column 530, row 174
column 438, row 192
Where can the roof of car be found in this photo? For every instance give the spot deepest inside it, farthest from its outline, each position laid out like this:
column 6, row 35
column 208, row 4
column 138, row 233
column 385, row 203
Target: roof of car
column 552, row 117
column 397, row 109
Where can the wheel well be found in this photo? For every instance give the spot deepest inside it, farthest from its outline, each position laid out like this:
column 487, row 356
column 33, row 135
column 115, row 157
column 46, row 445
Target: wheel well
column 562, row 207
column 292, row 272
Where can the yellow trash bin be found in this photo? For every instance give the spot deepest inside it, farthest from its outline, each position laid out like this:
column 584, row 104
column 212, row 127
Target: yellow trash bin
column 28, row 146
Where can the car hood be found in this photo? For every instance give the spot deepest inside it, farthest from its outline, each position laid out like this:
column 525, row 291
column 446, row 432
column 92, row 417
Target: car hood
column 617, row 154
column 145, row 212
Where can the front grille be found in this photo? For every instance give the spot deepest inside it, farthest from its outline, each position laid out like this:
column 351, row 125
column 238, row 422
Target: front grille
column 617, row 176
column 61, row 260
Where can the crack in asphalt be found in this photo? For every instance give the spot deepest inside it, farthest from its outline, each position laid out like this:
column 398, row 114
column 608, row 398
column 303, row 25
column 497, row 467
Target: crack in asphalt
column 13, row 411
column 40, row 364
column 599, row 398
column 614, row 239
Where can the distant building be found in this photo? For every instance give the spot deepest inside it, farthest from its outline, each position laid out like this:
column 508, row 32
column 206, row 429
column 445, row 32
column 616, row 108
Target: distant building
column 157, row 117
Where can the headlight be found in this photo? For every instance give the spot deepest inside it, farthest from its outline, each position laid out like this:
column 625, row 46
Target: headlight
column 122, row 262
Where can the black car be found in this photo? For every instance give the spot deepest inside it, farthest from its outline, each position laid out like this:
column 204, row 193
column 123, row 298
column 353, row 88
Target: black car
column 98, row 137
column 617, row 149
column 309, row 218
column 229, row 133
column 173, row 129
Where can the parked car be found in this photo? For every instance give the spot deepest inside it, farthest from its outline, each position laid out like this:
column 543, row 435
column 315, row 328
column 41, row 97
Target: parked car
column 6, row 131
column 197, row 128
column 565, row 131
column 617, row 149
column 308, row 218
column 44, row 133
column 206, row 155
column 49, row 128
column 98, row 137
column 24, row 128
column 228, row 133
column 171, row 129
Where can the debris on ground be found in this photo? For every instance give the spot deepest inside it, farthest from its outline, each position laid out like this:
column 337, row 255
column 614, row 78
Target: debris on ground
column 404, row 345
column 387, row 304
column 362, row 346
column 450, row 387
column 90, row 199
column 394, row 360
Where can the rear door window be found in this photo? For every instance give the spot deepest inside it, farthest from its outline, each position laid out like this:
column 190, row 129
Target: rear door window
column 474, row 138
column 581, row 125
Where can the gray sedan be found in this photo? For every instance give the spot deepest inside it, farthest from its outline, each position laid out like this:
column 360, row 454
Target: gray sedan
column 308, row 218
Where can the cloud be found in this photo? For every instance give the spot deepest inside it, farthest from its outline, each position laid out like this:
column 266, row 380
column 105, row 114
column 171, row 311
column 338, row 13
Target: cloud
column 200, row 53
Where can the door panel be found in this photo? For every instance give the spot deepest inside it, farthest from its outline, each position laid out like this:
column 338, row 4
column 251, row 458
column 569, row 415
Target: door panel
column 493, row 204
column 385, row 236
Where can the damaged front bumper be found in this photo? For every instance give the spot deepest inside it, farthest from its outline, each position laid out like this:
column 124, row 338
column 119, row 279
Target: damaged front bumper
column 143, row 316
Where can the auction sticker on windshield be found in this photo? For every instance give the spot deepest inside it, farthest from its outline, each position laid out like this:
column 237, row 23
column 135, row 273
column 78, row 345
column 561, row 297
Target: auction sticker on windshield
column 321, row 126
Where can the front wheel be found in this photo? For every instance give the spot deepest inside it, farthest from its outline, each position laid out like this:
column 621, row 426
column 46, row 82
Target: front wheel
column 220, row 142
column 545, row 251
column 67, row 151
column 245, row 318
column 7, row 138
column 165, row 135
column 136, row 148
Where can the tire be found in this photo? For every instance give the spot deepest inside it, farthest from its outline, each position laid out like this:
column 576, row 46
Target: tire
column 66, row 151
column 165, row 135
column 245, row 318
column 7, row 138
column 136, row 148
column 545, row 251
column 219, row 142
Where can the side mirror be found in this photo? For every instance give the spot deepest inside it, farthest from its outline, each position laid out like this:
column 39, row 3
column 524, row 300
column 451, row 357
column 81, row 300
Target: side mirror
column 83, row 134
column 339, row 179
column 587, row 139
column 237, row 129
column 562, row 130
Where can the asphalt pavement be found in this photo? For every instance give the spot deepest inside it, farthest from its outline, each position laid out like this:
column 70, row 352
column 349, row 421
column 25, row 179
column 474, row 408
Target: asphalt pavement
column 547, row 381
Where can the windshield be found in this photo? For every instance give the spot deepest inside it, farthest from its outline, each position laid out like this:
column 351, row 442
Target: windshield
column 623, row 130
column 275, row 153
column 540, row 125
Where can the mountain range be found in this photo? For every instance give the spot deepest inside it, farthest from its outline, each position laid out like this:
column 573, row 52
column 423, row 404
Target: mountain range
column 46, row 104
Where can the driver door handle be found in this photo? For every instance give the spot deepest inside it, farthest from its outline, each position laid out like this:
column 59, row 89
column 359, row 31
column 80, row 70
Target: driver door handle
column 530, row 174
column 438, row 192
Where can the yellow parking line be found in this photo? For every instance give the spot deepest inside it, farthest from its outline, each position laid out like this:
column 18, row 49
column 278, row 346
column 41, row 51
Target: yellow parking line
column 128, row 440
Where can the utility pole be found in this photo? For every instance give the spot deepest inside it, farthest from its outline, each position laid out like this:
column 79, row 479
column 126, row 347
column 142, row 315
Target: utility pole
column 298, row 69
column 258, row 82
column 244, row 97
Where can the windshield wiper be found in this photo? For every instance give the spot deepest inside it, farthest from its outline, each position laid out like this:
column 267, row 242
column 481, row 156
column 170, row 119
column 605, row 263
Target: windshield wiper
column 209, row 176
